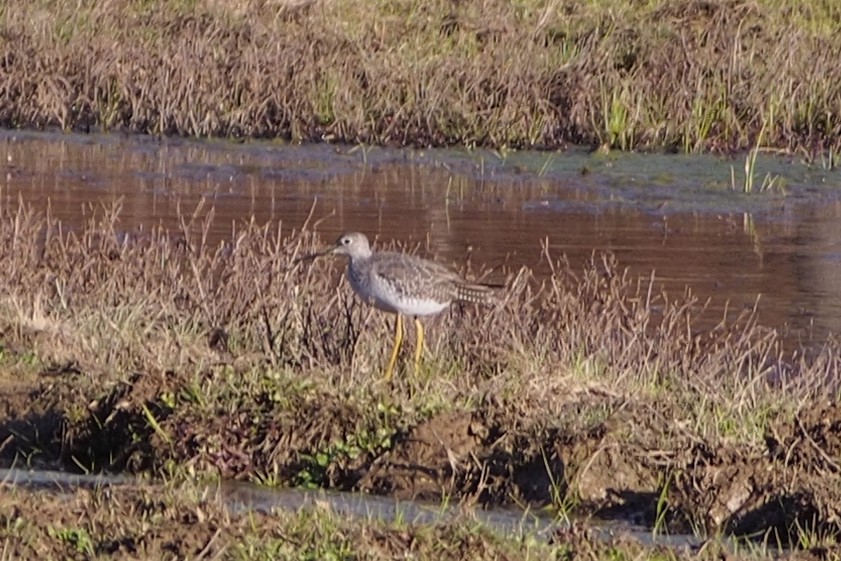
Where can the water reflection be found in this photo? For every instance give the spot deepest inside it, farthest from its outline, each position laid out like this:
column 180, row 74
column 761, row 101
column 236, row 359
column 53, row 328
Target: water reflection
column 675, row 215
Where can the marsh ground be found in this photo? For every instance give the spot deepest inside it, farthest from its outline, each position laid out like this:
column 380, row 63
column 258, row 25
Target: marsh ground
column 586, row 392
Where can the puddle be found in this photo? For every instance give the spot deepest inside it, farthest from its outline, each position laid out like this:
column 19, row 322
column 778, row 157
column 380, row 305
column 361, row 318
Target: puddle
column 674, row 215
column 247, row 497
column 58, row 480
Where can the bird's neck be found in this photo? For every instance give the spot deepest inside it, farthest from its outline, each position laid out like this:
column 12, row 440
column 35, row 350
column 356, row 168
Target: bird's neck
column 360, row 257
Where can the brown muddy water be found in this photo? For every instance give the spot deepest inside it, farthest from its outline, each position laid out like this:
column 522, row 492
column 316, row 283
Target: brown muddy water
column 677, row 217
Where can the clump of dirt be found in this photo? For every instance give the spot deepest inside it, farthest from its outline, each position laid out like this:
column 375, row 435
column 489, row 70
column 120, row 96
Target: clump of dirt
column 427, row 461
column 600, row 410
column 266, row 439
column 812, row 440
column 616, row 467
column 495, row 459
column 63, row 417
column 33, row 417
column 181, row 522
column 792, row 486
column 609, row 470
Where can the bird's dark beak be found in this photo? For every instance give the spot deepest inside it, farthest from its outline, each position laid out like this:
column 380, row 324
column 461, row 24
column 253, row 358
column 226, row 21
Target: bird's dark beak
column 312, row 256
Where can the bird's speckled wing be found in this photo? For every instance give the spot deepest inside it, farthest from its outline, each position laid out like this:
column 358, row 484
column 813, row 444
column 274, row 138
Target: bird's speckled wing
column 416, row 278
column 413, row 278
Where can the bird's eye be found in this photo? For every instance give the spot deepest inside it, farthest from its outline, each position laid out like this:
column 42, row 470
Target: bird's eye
column 346, row 241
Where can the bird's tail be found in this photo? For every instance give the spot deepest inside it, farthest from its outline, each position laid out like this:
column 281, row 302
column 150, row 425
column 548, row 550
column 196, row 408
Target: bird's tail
column 478, row 293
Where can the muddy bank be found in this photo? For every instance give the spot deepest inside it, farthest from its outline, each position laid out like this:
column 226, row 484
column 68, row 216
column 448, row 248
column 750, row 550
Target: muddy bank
column 182, row 522
column 635, row 464
column 586, row 391
column 684, row 75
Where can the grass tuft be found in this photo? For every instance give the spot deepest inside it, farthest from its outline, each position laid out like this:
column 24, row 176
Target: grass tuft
column 159, row 352
column 666, row 74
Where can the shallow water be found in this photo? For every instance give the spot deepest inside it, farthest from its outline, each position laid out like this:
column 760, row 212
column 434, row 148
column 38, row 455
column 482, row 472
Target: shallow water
column 248, row 497
column 677, row 216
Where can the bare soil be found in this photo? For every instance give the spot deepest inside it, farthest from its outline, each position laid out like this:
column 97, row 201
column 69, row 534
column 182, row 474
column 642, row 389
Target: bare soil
column 148, row 523
column 487, row 456
column 583, row 391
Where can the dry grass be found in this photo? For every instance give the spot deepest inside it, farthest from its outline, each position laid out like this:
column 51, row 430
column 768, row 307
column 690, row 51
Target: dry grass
column 689, row 75
column 114, row 303
column 155, row 351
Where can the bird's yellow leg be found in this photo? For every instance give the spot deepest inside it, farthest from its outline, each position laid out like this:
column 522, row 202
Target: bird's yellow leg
column 418, row 343
column 398, row 340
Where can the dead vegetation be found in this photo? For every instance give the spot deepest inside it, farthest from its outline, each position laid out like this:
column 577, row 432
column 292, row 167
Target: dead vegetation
column 188, row 522
column 686, row 75
column 153, row 351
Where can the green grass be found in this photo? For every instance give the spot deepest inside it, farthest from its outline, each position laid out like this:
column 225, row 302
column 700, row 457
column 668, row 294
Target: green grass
column 164, row 356
column 184, row 519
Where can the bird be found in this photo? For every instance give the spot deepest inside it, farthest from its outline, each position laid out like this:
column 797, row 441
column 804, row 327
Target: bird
column 405, row 285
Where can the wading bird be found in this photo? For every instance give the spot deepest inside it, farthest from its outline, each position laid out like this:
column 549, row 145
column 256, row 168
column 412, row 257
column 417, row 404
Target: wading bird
column 404, row 285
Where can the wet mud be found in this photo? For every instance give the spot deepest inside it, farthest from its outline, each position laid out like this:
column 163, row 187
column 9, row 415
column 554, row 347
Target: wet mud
column 174, row 355
column 635, row 464
column 136, row 522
